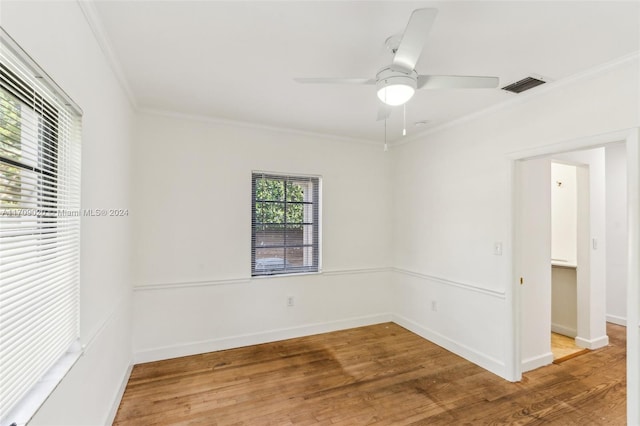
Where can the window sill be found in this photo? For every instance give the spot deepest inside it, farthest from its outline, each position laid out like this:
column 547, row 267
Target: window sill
column 22, row 413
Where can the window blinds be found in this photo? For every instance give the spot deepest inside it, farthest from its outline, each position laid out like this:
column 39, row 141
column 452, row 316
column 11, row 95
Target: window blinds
column 285, row 213
column 39, row 224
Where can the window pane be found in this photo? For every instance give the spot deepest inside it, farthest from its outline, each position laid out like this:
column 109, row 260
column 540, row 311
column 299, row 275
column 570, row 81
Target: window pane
column 10, row 126
column 295, row 213
column 308, row 235
column 270, row 235
column 269, row 259
column 295, row 256
column 269, row 212
column 269, row 189
column 308, row 256
column 281, row 236
column 18, row 188
column 294, row 236
column 295, row 191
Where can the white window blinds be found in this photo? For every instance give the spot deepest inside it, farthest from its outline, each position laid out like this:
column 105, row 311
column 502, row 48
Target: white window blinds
column 39, row 224
column 285, row 213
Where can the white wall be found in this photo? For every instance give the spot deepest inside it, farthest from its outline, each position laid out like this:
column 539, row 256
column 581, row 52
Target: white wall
column 616, row 227
column 57, row 36
column 192, row 229
column 564, row 301
column 452, row 201
column 564, row 214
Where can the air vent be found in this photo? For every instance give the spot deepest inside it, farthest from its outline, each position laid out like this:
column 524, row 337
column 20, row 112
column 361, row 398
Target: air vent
column 524, row 84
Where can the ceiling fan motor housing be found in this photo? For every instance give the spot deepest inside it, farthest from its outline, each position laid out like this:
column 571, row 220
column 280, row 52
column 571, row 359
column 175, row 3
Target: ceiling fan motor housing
column 396, row 87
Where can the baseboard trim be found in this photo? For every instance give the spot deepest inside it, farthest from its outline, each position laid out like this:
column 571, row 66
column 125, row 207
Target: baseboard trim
column 116, row 401
column 598, row 342
column 615, row 319
column 537, row 362
column 565, row 331
column 230, row 342
column 485, row 361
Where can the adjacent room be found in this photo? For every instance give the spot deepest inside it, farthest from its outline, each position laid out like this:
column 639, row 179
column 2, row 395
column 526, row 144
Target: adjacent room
column 312, row 212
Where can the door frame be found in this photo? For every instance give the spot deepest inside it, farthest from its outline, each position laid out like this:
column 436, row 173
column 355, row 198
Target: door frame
column 631, row 137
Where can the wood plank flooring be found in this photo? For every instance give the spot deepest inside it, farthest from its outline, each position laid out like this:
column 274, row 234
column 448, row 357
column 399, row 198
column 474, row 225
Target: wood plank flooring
column 375, row 375
column 564, row 348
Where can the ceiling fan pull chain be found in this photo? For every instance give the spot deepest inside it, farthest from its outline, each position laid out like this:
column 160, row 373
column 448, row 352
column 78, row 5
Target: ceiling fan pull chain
column 404, row 120
column 386, row 147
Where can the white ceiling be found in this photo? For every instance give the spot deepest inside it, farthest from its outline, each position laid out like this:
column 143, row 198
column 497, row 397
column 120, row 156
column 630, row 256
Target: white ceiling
column 237, row 60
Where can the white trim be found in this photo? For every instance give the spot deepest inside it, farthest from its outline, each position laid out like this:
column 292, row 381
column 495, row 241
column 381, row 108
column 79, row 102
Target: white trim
column 537, row 362
column 599, row 342
column 233, row 281
column 92, row 17
column 564, row 330
column 573, row 144
column 118, row 397
column 189, row 284
column 466, row 286
column 615, row 319
column 483, row 360
column 356, row 271
column 522, row 97
column 241, row 340
column 257, row 126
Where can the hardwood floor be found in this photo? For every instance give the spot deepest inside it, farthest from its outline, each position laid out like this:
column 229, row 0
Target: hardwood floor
column 564, row 348
column 382, row 375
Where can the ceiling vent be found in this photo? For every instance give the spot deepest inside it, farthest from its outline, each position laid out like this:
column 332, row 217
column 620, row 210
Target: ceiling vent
column 524, row 84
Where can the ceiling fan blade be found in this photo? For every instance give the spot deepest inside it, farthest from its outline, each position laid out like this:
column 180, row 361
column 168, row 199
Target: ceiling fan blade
column 456, row 82
column 384, row 111
column 336, row 80
column 413, row 39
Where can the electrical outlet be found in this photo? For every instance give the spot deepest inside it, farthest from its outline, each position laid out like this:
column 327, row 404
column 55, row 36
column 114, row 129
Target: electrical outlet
column 434, row 306
column 290, row 301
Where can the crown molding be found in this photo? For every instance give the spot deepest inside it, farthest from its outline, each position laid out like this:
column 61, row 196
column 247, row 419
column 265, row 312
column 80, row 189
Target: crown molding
column 257, row 126
column 524, row 97
column 90, row 13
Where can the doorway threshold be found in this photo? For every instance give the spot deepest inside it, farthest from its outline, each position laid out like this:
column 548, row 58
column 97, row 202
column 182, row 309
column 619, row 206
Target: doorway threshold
column 564, row 348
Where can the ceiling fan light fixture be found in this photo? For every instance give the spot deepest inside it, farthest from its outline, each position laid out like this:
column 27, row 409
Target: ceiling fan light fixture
column 395, row 88
column 395, row 94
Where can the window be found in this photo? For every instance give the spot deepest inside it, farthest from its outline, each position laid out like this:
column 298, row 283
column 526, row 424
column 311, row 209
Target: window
column 285, row 224
column 39, row 227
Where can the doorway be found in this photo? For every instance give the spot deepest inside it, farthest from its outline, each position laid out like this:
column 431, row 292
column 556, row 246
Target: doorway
column 631, row 139
column 521, row 246
column 563, row 252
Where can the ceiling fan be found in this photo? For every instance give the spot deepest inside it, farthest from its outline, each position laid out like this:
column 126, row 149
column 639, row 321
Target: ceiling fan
column 396, row 83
